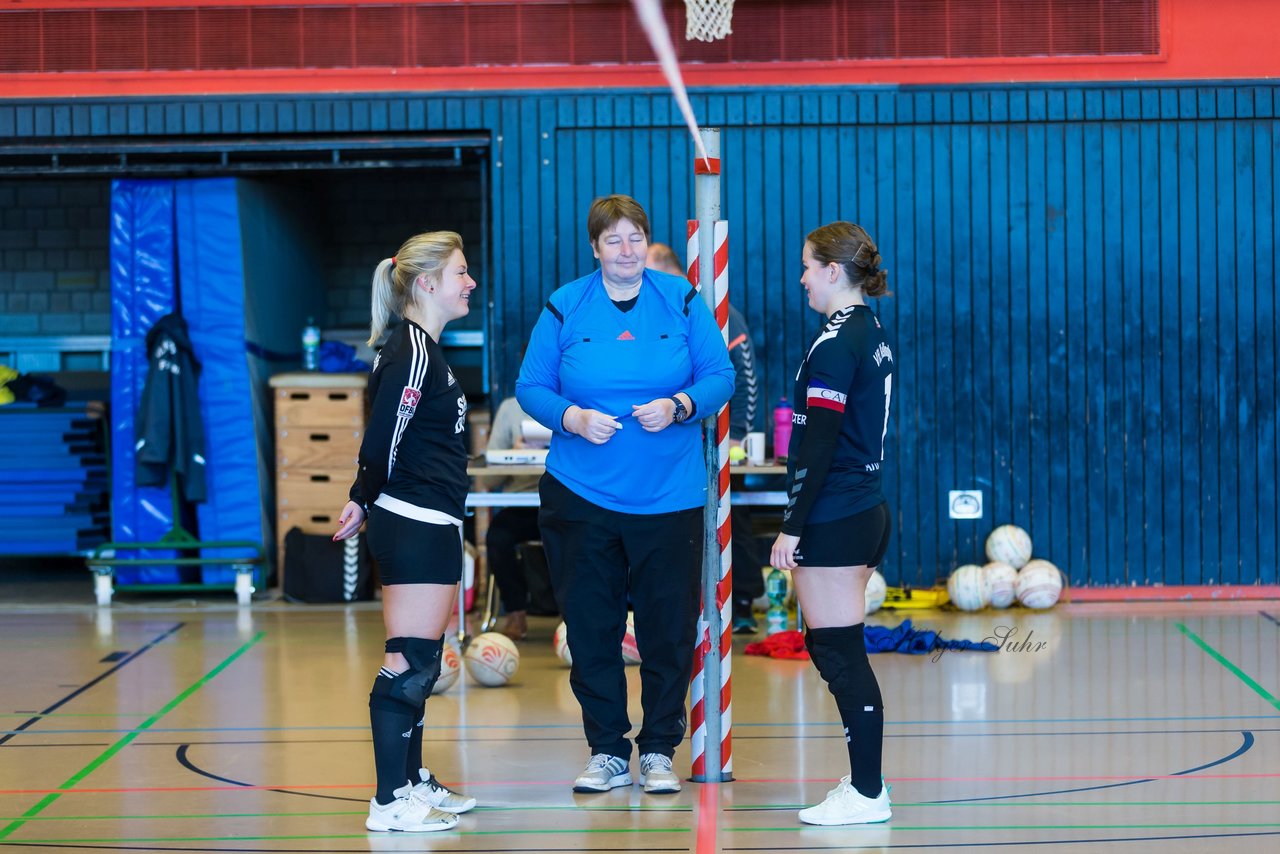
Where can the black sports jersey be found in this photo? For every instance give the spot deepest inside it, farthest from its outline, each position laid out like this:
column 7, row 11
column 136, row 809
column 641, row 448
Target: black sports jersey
column 842, row 396
column 415, row 446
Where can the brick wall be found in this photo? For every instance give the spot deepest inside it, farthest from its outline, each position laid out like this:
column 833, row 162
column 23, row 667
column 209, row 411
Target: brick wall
column 367, row 216
column 54, row 266
column 54, row 242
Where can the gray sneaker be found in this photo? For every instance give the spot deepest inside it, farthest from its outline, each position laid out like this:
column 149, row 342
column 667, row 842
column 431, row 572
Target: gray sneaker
column 603, row 772
column 441, row 796
column 656, row 775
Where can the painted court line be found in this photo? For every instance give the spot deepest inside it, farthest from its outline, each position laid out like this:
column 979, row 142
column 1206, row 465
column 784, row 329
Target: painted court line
column 1236, row 671
column 111, row 751
column 638, row 808
column 37, row 717
column 739, row 780
column 779, row 724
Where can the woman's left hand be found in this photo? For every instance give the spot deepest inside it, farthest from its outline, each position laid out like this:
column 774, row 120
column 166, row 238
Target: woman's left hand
column 783, row 555
column 656, row 415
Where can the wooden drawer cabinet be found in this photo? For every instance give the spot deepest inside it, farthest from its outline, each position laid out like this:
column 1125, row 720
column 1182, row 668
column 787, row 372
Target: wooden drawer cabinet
column 319, row 421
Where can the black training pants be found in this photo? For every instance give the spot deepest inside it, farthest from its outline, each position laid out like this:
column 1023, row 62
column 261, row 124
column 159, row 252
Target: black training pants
column 597, row 557
column 508, row 529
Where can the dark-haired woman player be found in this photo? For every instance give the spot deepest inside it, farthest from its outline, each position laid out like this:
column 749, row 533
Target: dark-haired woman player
column 835, row 529
column 412, row 486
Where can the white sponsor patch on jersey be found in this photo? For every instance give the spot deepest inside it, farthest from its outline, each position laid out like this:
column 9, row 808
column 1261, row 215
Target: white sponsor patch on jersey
column 409, row 402
column 452, row 381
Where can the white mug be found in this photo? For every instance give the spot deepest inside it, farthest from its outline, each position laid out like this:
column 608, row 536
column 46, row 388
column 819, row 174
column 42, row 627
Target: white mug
column 753, row 447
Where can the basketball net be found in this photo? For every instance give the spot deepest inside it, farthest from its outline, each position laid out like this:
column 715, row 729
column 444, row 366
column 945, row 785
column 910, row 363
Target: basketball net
column 707, row 20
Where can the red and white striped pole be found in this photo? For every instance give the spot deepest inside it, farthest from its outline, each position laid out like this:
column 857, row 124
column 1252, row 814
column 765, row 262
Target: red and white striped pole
column 711, row 694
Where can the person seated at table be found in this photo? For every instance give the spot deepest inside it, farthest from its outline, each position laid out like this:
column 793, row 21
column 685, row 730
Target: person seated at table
column 511, row 526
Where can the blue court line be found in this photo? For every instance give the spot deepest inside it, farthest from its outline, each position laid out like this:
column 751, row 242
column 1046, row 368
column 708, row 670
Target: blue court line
column 575, row 726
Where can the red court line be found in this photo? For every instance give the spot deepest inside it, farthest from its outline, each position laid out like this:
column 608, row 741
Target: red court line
column 708, row 801
column 518, row 783
column 1049, row 778
column 370, row 785
column 1176, row 593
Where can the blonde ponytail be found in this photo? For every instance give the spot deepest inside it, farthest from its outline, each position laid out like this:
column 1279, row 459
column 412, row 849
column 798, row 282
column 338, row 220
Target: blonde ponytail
column 385, row 303
column 423, row 254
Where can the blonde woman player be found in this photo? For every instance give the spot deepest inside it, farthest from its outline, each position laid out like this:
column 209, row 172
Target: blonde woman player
column 411, row 486
column 835, row 529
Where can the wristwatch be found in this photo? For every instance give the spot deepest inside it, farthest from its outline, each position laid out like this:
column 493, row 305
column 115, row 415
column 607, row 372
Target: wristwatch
column 681, row 413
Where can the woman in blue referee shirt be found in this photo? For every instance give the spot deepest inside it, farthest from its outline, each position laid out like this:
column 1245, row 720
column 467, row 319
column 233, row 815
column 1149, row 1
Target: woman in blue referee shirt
column 622, row 366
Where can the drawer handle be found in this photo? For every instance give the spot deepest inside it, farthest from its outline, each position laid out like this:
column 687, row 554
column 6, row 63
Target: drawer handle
column 300, row 395
column 321, row 519
column 339, row 395
column 319, row 437
column 320, row 478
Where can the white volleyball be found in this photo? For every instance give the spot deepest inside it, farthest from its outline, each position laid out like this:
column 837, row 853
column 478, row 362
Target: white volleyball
column 1009, row 544
column 630, row 650
column 561, row 644
column 1039, row 585
column 450, row 666
column 967, row 589
column 875, row 592
column 1001, row 583
column 492, row 659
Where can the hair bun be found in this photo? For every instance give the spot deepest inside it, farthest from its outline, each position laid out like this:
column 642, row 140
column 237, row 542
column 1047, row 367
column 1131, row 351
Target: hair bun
column 867, row 257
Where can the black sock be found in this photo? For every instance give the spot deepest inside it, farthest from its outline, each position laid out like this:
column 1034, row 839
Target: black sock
column 413, row 761
column 393, row 723
column 840, row 655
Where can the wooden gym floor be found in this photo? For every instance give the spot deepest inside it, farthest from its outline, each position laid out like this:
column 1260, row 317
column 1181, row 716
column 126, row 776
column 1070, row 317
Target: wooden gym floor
column 1133, row 728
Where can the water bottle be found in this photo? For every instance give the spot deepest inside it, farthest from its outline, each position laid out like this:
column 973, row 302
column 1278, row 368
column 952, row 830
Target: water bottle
column 311, row 345
column 782, row 415
column 775, row 587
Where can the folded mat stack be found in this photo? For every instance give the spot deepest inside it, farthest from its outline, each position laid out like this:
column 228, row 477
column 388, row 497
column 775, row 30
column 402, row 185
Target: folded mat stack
column 53, row 481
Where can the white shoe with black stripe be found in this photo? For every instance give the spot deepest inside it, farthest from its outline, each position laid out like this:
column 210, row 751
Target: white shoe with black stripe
column 441, row 796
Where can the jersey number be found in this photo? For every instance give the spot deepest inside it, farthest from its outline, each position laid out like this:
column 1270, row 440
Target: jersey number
column 888, row 392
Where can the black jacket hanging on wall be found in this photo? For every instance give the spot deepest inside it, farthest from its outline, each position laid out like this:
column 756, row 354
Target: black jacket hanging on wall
column 169, row 429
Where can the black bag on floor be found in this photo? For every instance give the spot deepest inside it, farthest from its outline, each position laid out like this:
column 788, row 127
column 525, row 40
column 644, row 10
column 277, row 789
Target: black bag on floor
column 318, row 570
column 537, row 576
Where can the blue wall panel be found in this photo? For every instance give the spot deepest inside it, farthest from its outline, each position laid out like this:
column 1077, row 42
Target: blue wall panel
column 1084, row 280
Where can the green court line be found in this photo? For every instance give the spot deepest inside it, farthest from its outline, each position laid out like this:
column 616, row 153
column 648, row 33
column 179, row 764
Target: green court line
column 747, row 807
column 1221, row 659
column 1021, row 827
column 125, row 739
column 638, row 808
column 174, row 817
column 533, row 831
column 135, row 840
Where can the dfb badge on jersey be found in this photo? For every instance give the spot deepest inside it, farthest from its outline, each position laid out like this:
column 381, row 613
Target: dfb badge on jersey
column 409, row 402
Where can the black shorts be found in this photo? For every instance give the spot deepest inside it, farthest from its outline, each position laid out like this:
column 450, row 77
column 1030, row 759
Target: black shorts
column 857, row 540
column 412, row 552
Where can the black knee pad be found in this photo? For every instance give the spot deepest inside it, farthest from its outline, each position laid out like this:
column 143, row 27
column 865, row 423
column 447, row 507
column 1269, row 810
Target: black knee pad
column 840, row 654
column 415, row 684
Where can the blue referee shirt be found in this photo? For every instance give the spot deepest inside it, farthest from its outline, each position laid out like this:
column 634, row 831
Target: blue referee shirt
column 585, row 351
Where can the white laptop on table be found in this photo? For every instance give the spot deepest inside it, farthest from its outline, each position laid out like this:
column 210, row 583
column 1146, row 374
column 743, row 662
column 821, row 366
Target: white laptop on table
column 517, row 457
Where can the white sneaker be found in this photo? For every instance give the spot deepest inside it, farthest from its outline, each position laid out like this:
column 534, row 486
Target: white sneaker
column 408, row 813
column 845, row 805
column 603, row 772
column 656, row 775
column 441, row 796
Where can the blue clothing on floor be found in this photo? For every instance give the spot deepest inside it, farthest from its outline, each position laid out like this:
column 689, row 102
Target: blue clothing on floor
column 585, row 351
column 911, row 641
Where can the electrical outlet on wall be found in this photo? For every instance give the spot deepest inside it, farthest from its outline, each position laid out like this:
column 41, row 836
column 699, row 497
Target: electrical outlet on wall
column 965, row 503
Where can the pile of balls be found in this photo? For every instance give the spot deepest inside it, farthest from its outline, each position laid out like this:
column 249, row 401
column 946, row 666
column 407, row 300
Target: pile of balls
column 1010, row 574
column 630, row 651
column 491, row 658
